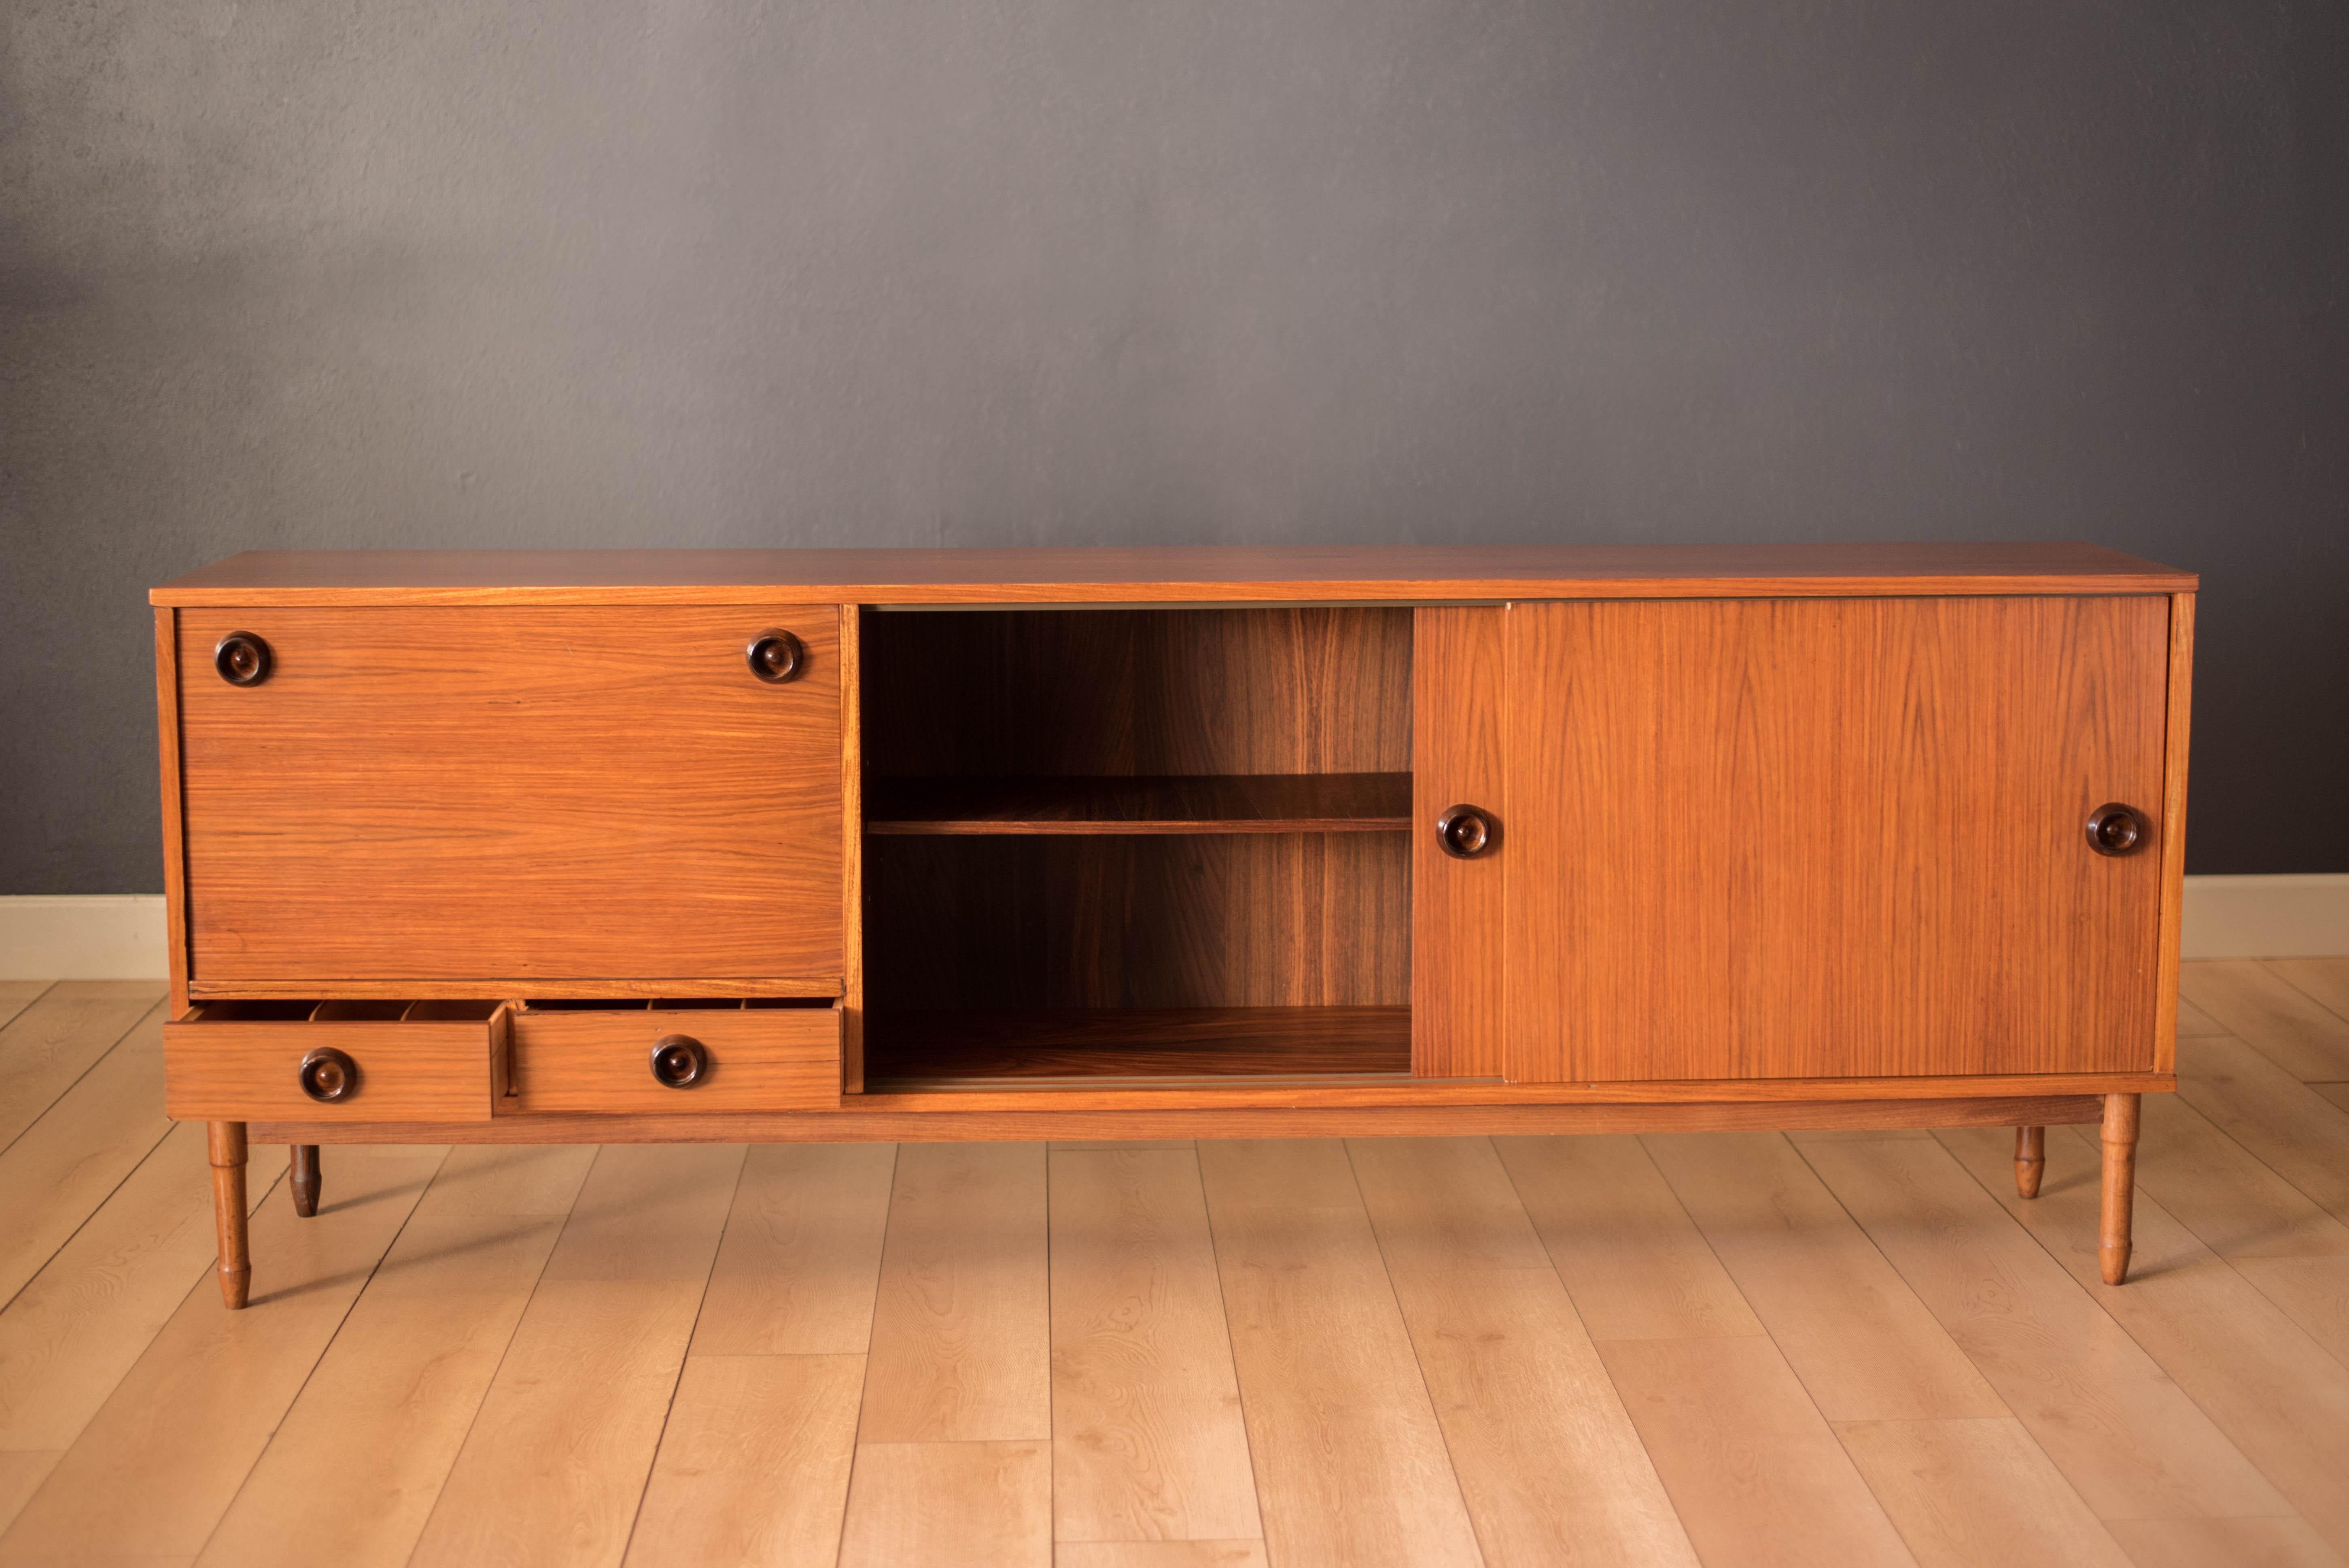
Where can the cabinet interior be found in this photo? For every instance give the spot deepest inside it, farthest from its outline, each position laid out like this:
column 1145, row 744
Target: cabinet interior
column 1136, row 844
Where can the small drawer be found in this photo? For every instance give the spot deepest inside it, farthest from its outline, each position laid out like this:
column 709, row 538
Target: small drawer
column 335, row 1061
column 725, row 1056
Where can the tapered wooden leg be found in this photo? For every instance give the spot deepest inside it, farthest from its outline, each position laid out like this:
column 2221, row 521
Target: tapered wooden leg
column 226, row 1143
column 2030, row 1159
column 2120, row 1186
column 304, row 1178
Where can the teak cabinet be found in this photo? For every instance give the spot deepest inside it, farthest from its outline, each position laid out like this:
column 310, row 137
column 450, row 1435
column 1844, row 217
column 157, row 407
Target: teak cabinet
column 755, row 845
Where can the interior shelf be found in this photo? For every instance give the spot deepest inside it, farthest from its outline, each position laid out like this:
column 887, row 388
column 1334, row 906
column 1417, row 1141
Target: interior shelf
column 1130, row 1046
column 1222, row 803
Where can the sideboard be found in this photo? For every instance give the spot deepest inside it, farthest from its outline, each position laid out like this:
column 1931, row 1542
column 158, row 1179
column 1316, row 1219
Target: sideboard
column 835, row 844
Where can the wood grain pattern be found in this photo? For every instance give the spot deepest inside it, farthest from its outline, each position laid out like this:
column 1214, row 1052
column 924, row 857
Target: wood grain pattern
column 1180, row 573
column 349, row 1476
column 1239, row 921
column 1977, row 1492
column 1548, row 1463
column 1731, row 790
column 219, row 1067
column 2127, row 1438
column 229, row 1375
column 1757, row 1478
column 1137, row 1042
column 600, row 1063
column 1014, row 693
column 2175, row 733
column 1459, row 717
column 961, row 1344
column 1317, row 1345
column 754, row 1463
column 462, row 793
column 798, row 1271
column 1634, row 1262
column 2289, row 1543
column 166, row 754
column 957, row 1505
column 1052, row 1113
column 1857, row 1335
column 1147, row 1439
column 1213, row 803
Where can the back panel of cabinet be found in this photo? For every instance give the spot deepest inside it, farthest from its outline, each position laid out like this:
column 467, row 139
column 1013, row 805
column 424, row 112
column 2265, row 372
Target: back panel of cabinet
column 1815, row 838
column 486, row 794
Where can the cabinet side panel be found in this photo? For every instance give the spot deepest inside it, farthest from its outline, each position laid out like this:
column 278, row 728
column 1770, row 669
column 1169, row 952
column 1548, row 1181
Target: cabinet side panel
column 167, row 751
column 1832, row 837
column 2173, row 828
column 852, row 849
column 1459, row 687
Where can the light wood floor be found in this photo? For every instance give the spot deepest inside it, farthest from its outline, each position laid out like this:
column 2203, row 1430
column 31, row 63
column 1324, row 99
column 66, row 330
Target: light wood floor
column 1723, row 1349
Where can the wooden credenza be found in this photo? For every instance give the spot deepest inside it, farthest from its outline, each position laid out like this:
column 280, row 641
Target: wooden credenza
column 760, row 845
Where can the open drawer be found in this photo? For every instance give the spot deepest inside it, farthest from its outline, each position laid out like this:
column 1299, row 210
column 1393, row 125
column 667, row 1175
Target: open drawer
column 664, row 1056
column 336, row 1061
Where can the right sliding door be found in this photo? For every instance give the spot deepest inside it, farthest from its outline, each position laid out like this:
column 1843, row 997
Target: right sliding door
column 1830, row 838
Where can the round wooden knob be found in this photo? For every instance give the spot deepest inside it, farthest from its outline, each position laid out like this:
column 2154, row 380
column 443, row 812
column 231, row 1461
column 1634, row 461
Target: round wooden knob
column 329, row 1077
column 1464, row 831
column 679, row 1061
column 777, row 657
column 2119, row 829
column 242, row 658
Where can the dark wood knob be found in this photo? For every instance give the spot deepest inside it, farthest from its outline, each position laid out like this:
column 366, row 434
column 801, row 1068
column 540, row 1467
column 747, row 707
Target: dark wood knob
column 777, row 657
column 2119, row 829
column 679, row 1061
column 242, row 658
column 329, row 1077
column 1464, row 831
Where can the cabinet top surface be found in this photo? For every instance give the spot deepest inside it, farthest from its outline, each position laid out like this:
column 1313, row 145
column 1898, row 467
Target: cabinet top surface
column 1137, row 574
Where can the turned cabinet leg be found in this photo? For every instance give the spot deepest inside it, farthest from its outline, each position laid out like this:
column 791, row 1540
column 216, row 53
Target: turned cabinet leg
column 226, row 1143
column 2120, row 1187
column 2030, row 1159
column 304, row 1180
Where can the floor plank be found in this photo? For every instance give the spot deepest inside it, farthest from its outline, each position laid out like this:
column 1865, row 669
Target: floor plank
column 1854, row 1332
column 754, row 1464
column 2297, row 1132
column 980, row 1505
column 1963, row 1493
column 351, row 1476
column 1547, row 1461
column 1632, row 1260
column 79, row 1150
column 58, row 1037
column 797, row 1273
column 16, row 996
column 556, row 1460
column 1758, row 1479
column 1351, row 1461
column 2193, row 1023
column 1147, row 1439
column 1160, row 1554
column 961, row 1344
column 2258, row 1376
column 2261, row 1009
column 22, row 1472
column 2325, row 979
column 88, row 1317
column 2236, row 1542
column 183, row 1428
column 500, row 1179
column 2130, row 1441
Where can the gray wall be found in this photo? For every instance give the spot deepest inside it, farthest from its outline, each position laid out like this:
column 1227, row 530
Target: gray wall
column 712, row 272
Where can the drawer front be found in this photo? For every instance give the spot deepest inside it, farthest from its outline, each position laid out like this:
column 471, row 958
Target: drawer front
column 218, row 1067
column 511, row 794
column 601, row 1063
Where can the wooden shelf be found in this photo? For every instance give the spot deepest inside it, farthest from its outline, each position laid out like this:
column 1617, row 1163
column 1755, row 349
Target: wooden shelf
column 1161, row 1045
column 1227, row 803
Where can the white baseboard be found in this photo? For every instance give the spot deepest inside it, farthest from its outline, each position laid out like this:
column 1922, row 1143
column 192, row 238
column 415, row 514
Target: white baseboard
column 83, row 936
column 119, row 937
column 2304, row 916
